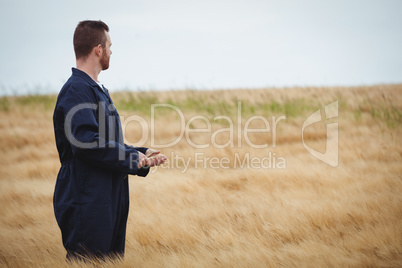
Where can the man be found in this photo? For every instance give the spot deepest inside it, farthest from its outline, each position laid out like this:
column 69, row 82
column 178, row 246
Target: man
column 91, row 197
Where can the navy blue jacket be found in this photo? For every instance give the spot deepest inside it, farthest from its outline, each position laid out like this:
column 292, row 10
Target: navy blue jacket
column 91, row 197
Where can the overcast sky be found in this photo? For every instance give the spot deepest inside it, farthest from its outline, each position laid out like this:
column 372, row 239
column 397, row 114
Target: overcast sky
column 175, row 44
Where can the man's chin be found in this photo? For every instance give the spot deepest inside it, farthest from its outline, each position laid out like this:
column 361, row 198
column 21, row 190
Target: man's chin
column 105, row 64
column 105, row 67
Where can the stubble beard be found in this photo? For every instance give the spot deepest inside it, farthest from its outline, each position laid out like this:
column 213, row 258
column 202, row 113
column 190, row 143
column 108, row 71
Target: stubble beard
column 104, row 62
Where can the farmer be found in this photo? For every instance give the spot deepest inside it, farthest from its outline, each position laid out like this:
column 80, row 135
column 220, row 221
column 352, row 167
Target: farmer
column 91, row 197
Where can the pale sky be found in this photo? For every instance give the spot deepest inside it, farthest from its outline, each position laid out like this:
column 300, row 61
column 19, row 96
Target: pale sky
column 208, row 44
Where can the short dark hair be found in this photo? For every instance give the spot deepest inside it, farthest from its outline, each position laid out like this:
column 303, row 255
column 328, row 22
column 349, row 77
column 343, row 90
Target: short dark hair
column 87, row 35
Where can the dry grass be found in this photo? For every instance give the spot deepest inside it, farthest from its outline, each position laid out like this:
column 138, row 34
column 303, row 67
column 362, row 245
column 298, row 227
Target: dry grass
column 308, row 214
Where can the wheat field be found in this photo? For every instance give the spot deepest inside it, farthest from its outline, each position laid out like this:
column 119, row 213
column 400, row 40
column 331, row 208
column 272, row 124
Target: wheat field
column 229, row 204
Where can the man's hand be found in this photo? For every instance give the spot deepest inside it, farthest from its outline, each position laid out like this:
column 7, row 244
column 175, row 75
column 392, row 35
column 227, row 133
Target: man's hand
column 151, row 152
column 150, row 158
column 142, row 160
column 155, row 158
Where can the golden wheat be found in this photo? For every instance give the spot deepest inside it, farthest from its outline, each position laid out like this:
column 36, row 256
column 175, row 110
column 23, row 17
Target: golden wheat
column 306, row 214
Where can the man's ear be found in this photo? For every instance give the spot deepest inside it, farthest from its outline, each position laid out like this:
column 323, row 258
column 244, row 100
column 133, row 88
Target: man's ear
column 98, row 50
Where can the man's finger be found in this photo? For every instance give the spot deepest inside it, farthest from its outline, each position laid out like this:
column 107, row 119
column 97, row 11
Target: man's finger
column 152, row 152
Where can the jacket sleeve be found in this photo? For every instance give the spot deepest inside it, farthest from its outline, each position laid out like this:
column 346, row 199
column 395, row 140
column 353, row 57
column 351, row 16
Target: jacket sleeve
column 144, row 170
column 140, row 149
column 81, row 127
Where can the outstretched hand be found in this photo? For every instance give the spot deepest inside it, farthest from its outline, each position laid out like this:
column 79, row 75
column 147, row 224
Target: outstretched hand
column 157, row 160
column 151, row 152
column 151, row 158
column 142, row 160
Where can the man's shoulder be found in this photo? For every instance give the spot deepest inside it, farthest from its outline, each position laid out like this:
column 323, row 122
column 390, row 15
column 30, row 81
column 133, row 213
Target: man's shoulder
column 79, row 81
column 75, row 91
column 76, row 85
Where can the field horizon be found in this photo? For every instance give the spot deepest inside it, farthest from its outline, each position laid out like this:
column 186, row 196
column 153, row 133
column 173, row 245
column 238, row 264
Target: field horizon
column 250, row 181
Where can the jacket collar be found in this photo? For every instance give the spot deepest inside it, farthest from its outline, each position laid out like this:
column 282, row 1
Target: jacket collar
column 86, row 77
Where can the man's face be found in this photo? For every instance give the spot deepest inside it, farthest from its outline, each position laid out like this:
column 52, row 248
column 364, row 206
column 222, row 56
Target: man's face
column 104, row 61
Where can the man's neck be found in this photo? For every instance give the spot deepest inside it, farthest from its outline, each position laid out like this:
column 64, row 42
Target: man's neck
column 89, row 68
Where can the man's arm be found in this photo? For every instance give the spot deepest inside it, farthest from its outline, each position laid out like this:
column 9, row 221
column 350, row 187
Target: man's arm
column 84, row 128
